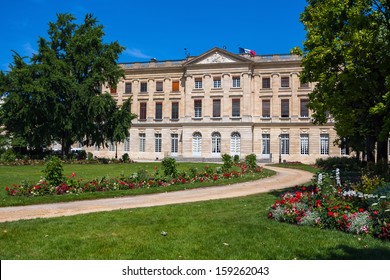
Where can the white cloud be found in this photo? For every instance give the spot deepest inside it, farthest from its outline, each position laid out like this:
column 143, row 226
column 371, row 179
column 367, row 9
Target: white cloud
column 136, row 53
column 28, row 49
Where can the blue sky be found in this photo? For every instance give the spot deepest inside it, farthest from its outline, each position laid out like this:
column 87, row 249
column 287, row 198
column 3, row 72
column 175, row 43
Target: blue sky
column 161, row 29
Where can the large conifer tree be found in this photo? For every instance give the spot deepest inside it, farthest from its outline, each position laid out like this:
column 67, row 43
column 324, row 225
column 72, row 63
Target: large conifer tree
column 56, row 96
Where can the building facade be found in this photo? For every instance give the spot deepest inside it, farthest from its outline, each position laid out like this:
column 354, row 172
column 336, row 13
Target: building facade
column 220, row 102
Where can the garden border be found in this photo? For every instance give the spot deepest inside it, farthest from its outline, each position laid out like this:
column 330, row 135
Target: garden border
column 284, row 178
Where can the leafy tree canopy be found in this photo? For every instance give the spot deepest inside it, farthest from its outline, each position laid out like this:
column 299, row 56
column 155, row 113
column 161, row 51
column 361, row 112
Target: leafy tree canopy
column 56, row 96
column 347, row 56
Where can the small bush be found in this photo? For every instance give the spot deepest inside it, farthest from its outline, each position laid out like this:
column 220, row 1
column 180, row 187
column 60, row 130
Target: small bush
column 169, row 167
column 89, row 156
column 369, row 184
column 54, row 171
column 250, row 161
column 236, row 159
column 125, row 157
column 8, row 156
column 227, row 162
column 343, row 163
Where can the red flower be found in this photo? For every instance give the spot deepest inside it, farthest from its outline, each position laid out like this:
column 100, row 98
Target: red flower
column 361, row 210
column 330, row 214
column 7, row 189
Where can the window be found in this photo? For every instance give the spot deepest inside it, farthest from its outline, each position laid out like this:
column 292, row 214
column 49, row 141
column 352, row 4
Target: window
column 175, row 86
column 304, row 144
column 142, row 142
column 217, row 83
column 198, row 83
column 235, row 144
column 159, row 86
column 344, row 150
column 113, row 90
column 236, row 82
column 216, row 143
column 196, row 144
column 324, row 144
column 216, row 108
column 266, row 108
column 266, row 141
column 159, row 110
column 235, row 107
column 285, row 82
column 142, row 111
column 266, row 82
column 284, row 144
column 304, row 108
column 127, row 144
column 174, row 143
column 111, row 146
column 144, row 87
column 285, row 108
column 128, row 88
column 175, row 111
column 157, row 142
column 198, row 108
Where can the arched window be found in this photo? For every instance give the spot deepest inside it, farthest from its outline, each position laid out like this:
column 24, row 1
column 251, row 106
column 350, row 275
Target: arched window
column 235, row 144
column 216, row 143
column 196, row 144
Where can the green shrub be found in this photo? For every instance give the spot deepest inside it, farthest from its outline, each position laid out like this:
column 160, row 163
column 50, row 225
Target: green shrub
column 125, row 157
column 250, row 161
column 54, row 171
column 8, row 156
column 193, row 172
column 369, row 184
column 236, row 159
column 89, row 156
column 227, row 162
column 343, row 163
column 169, row 166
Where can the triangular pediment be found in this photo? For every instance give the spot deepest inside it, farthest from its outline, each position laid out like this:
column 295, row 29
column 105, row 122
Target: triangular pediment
column 217, row 55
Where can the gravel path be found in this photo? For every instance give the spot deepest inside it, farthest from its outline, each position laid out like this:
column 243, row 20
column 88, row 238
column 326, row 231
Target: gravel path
column 284, row 178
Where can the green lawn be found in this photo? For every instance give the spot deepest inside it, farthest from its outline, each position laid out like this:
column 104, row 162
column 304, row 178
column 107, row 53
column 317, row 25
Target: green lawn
column 15, row 174
column 223, row 229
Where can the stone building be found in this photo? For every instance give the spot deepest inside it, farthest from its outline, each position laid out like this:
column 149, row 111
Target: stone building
column 219, row 102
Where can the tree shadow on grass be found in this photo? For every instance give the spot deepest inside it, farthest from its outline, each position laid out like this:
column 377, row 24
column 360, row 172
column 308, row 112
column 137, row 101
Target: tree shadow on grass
column 343, row 252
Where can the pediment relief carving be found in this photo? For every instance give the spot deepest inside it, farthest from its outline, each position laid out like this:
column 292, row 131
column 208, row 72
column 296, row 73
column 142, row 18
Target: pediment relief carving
column 216, row 58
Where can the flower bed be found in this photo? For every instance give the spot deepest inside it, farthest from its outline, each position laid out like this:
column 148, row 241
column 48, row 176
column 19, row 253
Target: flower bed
column 332, row 206
column 74, row 185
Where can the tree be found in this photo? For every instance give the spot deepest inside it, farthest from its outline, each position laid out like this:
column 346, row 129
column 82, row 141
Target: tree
column 346, row 55
column 57, row 95
column 121, row 121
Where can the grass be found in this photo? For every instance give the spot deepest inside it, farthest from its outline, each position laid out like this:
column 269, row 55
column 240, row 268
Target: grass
column 15, row 174
column 226, row 229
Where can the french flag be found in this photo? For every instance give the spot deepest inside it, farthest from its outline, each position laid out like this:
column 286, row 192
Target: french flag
column 247, row 51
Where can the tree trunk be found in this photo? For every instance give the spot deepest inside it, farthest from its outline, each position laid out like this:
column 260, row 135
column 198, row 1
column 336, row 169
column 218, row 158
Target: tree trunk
column 382, row 151
column 370, row 148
